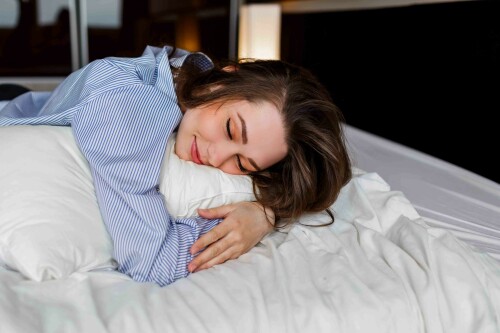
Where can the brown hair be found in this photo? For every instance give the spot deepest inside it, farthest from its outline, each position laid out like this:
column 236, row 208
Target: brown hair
column 317, row 164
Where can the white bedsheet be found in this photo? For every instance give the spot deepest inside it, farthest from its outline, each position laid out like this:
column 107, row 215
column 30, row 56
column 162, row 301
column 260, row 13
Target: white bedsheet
column 444, row 194
column 378, row 268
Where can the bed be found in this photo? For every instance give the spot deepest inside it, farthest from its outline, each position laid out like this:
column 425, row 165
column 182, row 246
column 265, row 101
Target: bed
column 415, row 248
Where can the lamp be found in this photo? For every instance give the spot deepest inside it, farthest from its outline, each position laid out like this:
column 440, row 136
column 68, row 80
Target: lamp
column 259, row 31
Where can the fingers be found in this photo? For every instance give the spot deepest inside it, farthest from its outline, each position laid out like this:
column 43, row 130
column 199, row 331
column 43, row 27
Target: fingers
column 213, row 255
column 243, row 226
column 217, row 232
column 210, row 237
column 215, row 213
column 222, row 258
column 216, row 246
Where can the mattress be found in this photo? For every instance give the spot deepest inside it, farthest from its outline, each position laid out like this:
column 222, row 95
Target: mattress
column 414, row 248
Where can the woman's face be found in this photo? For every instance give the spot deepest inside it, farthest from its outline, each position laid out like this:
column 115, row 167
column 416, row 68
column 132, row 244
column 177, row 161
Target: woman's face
column 236, row 137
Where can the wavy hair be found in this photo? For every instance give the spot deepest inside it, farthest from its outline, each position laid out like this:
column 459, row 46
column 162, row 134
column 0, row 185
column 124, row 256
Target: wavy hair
column 317, row 164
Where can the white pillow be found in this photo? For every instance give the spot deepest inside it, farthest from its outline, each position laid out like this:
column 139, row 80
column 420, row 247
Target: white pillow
column 50, row 223
column 187, row 186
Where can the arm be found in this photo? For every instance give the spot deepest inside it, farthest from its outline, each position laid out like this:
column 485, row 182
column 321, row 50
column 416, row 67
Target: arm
column 123, row 134
column 244, row 225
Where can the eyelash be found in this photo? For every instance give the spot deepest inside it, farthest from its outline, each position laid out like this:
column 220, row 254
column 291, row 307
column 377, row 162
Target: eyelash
column 228, row 129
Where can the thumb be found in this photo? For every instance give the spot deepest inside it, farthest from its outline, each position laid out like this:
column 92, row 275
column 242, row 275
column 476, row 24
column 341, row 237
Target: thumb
column 215, row 212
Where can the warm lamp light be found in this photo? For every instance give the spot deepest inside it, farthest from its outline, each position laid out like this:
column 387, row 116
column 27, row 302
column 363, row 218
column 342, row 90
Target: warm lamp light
column 259, row 31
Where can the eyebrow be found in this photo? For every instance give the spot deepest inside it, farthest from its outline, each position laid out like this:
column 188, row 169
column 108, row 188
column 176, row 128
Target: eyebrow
column 245, row 140
column 243, row 129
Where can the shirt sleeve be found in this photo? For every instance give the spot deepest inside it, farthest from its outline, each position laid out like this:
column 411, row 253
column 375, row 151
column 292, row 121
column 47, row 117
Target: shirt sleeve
column 27, row 109
column 122, row 111
column 123, row 134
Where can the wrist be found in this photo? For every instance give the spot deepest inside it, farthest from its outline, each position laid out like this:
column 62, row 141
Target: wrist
column 268, row 214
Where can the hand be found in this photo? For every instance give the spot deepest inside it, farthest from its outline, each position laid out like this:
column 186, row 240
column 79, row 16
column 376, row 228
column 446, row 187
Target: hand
column 244, row 225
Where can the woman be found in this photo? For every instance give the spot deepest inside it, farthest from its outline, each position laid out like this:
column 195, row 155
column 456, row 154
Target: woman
column 267, row 119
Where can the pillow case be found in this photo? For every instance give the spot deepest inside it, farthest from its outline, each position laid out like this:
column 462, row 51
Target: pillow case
column 50, row 223
column 187, row 186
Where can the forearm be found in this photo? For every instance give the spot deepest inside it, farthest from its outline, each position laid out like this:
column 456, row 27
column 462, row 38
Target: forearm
column 149, row 245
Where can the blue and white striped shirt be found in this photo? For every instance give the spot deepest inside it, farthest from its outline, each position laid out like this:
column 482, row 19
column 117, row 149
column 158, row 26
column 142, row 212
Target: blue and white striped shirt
column 122, row 111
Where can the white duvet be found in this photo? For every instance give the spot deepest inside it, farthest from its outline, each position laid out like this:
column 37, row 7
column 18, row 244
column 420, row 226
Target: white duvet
column 378, row 268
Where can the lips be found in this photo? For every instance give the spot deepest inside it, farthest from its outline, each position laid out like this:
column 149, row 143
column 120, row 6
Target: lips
column 195, row 156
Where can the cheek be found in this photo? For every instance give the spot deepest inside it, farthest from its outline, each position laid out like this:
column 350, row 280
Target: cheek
column 209, row 127
column 206, row 124
column 272, row 148
column 184, row 138
column 272, row 158
column 180, row 147
column 230, row 167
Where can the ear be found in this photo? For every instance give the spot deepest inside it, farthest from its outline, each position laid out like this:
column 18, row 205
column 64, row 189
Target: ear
column 230, row 68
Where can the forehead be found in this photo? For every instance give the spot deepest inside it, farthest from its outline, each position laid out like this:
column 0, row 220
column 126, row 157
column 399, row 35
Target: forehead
column 266, row 141
column 254, row 109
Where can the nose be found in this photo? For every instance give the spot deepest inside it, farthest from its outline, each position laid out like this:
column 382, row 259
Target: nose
column 221, row 153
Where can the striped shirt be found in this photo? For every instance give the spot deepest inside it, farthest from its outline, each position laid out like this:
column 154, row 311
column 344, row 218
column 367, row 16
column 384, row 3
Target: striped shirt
column 122, row 111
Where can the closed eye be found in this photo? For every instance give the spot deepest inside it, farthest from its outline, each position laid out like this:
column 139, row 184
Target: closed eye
column 238, row 160
column 240, row 166
column 228, row 129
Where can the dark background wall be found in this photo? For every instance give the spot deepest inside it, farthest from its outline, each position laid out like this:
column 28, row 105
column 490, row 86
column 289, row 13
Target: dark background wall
column 427, row 76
